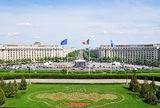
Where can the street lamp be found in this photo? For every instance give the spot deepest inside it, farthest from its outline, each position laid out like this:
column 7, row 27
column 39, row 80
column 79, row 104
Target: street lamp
column 29, row 74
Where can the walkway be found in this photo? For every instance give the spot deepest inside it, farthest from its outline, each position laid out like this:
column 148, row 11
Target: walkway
column 82, row 81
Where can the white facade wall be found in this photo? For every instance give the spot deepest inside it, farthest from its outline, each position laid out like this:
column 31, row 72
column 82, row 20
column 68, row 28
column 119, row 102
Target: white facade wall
column 14, row 52
column 130, row 52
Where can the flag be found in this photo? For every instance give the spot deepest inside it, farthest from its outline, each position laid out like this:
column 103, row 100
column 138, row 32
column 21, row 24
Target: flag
column 64, row 42
column 86, row 42
column 112, row 44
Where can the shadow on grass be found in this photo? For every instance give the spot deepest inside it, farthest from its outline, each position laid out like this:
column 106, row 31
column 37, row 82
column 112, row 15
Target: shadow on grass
column 127, row 88
column 134, row 95
column 19, row 94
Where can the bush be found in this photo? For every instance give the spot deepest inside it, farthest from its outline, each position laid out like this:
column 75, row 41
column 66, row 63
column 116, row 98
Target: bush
column 23, row 84
column 151, row 97
column 134, row 84
column 153, row 85
column 64, row 71
column 158, row 93
column 3, row 84
column 15, row 86
column 144, row 89
column 10, row 91
column 2, row 97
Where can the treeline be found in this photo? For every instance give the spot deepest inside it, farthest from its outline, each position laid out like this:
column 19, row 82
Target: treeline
column 10, row 90
column 92, row 55
column 150, row 93
column 138, row 62
column 73, row 55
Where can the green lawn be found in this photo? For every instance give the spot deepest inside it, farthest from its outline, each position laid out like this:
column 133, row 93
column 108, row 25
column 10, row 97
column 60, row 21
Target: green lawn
column 30, row 98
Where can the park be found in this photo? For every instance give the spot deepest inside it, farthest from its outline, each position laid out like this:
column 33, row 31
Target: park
column 96, row 87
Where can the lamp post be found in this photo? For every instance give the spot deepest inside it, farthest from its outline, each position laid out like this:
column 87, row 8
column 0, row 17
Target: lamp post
column 126, row 77
column 29, row 74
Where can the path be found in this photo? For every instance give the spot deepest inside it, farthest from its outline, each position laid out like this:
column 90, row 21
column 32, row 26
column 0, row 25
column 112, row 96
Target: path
column 82, row 81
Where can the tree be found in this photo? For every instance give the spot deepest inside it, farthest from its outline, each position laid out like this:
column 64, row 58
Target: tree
column 147, row 62
column 15, row 86
column 23, row 84
column 2, row 97
column 144, row 89
column 3, row 84
column 10, row 91
column 158, row 93
column 134, row 84
column 64, row 71
column 151, row 97
column 139, row 61
column 153, row 85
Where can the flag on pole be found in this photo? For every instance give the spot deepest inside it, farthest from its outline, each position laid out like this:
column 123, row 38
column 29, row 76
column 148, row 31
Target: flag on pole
column 86, row 42
column 112, row 44
column 64, row 42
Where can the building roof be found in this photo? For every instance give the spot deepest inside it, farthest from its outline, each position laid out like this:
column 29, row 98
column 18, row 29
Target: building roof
column 80, row 60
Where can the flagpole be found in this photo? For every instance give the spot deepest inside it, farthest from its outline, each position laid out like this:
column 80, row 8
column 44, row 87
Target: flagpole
column 67, row 63
column 64, row 42
column 111, row 55
column 111, row 60
column 89, row 59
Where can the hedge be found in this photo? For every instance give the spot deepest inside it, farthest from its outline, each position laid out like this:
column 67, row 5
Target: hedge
column 76, row 72
column 80, row 76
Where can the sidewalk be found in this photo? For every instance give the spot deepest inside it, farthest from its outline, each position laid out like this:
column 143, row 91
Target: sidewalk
column 82, row 81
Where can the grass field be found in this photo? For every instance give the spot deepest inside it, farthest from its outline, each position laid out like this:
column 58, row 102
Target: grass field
column 67, row 95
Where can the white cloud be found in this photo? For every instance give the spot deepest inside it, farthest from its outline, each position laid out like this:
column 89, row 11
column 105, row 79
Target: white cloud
column 26, row 24
column 14, row 34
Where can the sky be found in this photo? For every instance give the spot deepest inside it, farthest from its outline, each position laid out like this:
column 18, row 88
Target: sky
column 51, row 21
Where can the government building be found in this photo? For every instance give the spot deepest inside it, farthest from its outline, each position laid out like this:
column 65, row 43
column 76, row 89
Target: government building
column 33, row 52
column 130, row 52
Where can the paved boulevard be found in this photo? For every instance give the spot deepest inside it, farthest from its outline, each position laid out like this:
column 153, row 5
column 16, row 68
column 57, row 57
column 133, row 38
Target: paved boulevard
column 82, row 81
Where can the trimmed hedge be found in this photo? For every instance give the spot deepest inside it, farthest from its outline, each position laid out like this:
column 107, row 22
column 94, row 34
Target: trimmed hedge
column 77, row 72
column 81, row 76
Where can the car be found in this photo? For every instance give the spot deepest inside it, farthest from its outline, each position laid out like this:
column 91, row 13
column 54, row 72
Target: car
column 73, row 69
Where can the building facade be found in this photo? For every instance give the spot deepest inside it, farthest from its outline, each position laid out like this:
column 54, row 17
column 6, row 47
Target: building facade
column 130, row 52
column 33, row 52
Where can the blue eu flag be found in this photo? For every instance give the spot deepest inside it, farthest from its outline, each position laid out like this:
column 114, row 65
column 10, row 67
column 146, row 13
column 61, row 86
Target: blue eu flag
column 112, row 44
column 64, row 42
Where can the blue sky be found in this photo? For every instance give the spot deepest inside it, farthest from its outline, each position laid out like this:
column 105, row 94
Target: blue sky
column 50, row 21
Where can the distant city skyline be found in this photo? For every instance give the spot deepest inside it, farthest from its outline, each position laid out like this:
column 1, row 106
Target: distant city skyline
column 51, row 21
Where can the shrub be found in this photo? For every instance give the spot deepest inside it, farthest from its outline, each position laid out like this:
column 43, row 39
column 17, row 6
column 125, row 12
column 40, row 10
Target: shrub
column 134, row 84
column 10, row 91
column 144, row 89
column 158, row 93
column 15, row 86
column 23, row 84
column 2, row 97
column 64, row 71
column 153, row 85
column 151, row 97
column 3, row 84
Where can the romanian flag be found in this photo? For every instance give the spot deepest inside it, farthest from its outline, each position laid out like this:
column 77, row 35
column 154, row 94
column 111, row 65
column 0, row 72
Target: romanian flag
column 86, row 42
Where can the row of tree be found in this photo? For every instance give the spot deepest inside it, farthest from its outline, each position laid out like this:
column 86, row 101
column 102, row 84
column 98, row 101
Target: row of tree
column 92, row 55
column 149, row 92
column 73, row 55
column 10, row 90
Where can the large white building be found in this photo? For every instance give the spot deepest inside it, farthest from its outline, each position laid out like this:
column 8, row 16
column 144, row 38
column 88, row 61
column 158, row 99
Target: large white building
column 130, row 52
column 35, row 51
